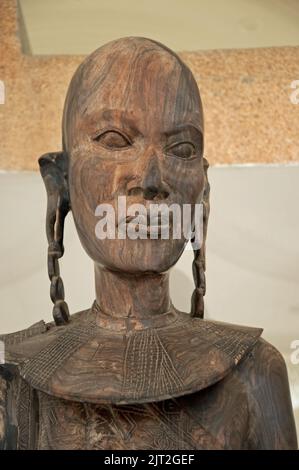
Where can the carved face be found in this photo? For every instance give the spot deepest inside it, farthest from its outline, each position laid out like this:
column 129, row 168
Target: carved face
column 132, row 127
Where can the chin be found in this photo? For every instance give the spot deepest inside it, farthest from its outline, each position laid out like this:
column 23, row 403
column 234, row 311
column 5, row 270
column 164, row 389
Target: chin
column 139, row 256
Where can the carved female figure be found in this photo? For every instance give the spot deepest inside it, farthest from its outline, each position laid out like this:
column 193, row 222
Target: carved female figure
column 133, row 372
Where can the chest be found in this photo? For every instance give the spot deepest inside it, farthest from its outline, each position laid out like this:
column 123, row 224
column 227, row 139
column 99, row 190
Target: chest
column 206, row 420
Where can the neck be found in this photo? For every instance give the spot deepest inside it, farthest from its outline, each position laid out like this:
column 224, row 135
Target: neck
column 136, row 296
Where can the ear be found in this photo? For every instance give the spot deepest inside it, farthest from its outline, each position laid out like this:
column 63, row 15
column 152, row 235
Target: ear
column 53, row 168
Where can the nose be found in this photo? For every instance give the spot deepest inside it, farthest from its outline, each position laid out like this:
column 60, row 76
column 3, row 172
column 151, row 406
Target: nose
column 152, row 185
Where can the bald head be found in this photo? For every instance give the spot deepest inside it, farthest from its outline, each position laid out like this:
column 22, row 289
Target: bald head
column 136, row 76
column 132, row 127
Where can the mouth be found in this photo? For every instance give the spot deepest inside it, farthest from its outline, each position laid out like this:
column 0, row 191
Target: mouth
column 149, row 225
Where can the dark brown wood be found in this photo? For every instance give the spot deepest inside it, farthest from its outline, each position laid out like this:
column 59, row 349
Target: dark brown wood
column 133, row 372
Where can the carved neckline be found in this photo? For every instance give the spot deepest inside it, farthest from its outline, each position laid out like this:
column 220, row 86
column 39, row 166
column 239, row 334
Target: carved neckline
column 84, row 362
column 127, row 324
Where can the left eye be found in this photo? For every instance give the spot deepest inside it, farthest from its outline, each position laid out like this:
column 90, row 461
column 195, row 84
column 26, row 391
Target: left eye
column 182, row 150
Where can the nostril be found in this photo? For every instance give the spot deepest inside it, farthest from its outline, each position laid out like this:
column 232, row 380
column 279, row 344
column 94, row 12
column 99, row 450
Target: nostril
column 155, row 193
column 164, row 195
column 136, row 191
column 150, row 193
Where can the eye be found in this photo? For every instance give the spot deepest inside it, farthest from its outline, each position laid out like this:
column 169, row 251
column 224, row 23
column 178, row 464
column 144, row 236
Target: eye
column 182, row 150
column 113, row 140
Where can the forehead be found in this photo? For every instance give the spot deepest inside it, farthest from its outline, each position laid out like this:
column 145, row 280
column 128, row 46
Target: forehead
column 141, row 77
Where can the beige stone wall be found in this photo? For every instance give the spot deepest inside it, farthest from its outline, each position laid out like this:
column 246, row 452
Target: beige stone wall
column 246, row 95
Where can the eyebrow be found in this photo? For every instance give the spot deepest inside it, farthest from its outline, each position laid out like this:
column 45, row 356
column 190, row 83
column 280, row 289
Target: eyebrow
column 184, row 127
column 129, row 118
column 107, row 113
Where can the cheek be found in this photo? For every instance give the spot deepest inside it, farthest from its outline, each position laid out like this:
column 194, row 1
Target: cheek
column 91, row 182
column 186, row 178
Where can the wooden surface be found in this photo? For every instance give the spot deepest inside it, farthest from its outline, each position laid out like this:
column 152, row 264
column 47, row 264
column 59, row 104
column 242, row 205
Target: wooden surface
column 254, row 401
column 136, row 131
column 103, row 359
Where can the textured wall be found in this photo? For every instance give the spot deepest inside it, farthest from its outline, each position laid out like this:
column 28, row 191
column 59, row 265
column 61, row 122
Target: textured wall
column 246, row 96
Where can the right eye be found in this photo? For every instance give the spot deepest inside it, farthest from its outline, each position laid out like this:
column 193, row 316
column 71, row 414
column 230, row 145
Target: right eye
column 113, row 140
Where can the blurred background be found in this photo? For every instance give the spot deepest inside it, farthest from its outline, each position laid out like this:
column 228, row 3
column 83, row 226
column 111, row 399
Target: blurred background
column 244, row 54
column 76, row 27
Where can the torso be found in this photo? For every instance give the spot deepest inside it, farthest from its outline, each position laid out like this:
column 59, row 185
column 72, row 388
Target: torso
column 232, row 411
column 215, row 418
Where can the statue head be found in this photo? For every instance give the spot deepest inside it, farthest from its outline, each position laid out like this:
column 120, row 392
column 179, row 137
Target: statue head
column 133, row 133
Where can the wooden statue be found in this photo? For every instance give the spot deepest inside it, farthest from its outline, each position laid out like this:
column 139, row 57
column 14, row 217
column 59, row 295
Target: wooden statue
column 133, row 372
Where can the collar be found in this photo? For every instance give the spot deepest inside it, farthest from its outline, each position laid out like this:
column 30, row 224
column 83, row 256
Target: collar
column 94, row 360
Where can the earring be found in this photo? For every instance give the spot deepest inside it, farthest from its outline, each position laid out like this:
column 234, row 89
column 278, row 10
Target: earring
column 61, row 313
column 53, row 167
column 199, row 262
column 197, row 301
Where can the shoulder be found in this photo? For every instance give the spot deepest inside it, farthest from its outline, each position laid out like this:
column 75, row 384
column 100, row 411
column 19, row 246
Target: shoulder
column 267, row 352
column 266, row 357
column 21, row 345
column 37, row 329
column 3, row 388
column 22, row 335
column 15, row 348
column 264, row 375
column 265, row 363
column 264, row 372
column 9, row 379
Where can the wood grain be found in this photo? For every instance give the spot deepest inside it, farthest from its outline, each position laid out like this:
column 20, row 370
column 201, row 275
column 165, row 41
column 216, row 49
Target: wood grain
column 133, row 372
